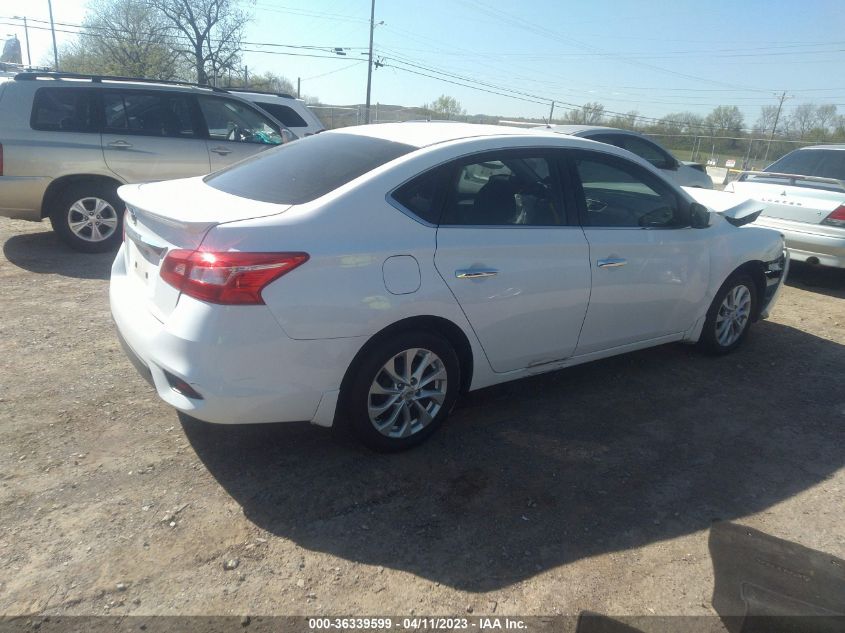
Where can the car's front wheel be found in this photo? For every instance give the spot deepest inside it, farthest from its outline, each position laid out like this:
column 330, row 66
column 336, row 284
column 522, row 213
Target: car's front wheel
column 402, row 390
column 729, row 317
column 87, row 217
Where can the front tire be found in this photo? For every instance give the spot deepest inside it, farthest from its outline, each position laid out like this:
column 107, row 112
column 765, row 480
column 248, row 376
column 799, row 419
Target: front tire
column 729, row 317
column 87, row 217
column 402, row 390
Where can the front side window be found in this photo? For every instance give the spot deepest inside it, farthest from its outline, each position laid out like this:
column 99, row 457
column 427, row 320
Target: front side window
column 230, row 120
column 620, row 194
column 147, row 114
column 503, row 190
column 63, row 109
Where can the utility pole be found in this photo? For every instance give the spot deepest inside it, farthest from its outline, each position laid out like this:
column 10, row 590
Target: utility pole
column 370, row 59
column 246, row 76
column 774, row 127
column 551, row 112
column 53, row 30
column 298, row 85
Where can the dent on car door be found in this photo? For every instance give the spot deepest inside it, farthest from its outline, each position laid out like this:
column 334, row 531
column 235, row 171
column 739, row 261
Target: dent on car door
column 236, row 130
column 518, row 271
column 649, row 270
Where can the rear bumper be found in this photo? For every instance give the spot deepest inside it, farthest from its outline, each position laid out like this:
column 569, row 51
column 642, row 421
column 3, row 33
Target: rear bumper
column 21, row 197
column 237, row 358
column 810, row 241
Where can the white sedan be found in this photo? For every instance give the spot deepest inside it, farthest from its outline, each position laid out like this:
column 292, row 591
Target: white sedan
column 368, row 276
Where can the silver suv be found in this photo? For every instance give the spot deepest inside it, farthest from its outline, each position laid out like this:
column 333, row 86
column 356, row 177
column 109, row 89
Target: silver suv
column 68, row 141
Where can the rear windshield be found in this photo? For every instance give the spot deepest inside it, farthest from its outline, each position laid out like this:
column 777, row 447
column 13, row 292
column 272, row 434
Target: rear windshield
column 306, row 169
column 812, row 162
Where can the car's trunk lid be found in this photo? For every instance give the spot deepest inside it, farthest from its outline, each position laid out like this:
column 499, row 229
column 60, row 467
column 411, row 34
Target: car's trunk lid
column 175, row 214
column 788, row 197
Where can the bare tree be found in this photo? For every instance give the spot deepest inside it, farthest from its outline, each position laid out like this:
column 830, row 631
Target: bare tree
column 803, row 119
column 825, row 116
column 588, row 114
column 123, row 37
column 212, row 31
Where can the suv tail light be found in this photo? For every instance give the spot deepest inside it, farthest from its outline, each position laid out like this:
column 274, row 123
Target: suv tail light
column 837, row 217
column 226, row 278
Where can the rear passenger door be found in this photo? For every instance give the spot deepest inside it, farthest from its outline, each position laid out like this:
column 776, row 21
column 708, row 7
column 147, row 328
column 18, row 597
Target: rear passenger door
column 236, row 130
column 516, row 264
column 650, row 270
column 151, row 135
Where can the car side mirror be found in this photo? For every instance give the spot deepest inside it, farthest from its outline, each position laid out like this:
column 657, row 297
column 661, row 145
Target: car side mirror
column 699, row 216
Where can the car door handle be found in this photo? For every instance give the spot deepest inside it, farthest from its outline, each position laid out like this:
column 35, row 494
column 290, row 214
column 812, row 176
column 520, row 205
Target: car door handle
column 222, row 151
column 473, row 273
column 120, row 145
column 611, row 262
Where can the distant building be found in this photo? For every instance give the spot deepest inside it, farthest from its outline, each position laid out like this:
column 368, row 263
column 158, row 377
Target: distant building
column 12, row 51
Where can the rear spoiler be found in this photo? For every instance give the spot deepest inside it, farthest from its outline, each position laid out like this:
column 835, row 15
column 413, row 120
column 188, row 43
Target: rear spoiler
column 743, row 176
column 735, row 209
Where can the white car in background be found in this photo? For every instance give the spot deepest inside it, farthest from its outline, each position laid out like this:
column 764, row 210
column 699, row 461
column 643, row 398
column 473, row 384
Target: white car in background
column 286, row 109
column 369, row 275
column 685, row 174
column 804, row 198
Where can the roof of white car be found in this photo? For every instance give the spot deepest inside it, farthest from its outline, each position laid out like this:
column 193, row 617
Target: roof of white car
column 838, row 146
column 424, row 133
column 575, row 129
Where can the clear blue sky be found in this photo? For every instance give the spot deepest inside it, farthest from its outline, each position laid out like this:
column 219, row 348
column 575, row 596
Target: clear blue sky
column 651, row 57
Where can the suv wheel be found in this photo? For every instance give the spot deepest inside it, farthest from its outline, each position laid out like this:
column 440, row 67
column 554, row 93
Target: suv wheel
column 402, row 391
column 87, row 217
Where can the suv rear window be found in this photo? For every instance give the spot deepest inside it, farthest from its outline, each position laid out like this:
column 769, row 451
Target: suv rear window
column 306, row 169
column 283, row 114
column 62, row 109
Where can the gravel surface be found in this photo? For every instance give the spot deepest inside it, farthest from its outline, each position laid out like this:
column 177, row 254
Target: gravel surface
column 593, row 488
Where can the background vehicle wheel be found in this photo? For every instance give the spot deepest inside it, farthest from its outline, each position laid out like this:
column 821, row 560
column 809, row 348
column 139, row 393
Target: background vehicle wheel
column 729, row 316
column 402, row 390
column 88, row 217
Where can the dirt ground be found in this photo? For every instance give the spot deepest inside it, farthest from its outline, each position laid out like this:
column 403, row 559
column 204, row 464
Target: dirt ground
column 593, row 488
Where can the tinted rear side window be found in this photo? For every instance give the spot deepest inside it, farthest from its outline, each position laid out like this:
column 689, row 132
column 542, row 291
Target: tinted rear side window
column 306, row 169
column 63, row 109
column 284, row 114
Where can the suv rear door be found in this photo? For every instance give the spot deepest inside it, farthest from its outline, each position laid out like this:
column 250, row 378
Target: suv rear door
column 152, row 135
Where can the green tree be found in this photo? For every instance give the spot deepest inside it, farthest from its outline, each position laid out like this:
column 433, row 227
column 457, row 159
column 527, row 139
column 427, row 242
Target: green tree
column 446, row 106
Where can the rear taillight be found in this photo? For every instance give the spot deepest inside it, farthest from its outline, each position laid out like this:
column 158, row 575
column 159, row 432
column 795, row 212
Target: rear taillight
column 837, row 218
column 227, row 278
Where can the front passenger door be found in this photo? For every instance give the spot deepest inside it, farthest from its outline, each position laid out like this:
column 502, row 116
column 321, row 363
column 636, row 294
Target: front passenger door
column 649, row 269
column 236, row 130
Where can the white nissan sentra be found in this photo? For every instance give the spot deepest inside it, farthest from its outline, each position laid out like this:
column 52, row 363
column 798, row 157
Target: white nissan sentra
column 368, row 276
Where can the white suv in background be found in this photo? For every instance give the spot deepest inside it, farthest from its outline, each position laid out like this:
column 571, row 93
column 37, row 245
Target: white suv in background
column 289, row 111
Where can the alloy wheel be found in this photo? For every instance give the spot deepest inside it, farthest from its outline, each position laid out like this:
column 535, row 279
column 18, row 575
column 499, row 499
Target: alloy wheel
column 92, row 219
column 733, row 315
column 407, row 393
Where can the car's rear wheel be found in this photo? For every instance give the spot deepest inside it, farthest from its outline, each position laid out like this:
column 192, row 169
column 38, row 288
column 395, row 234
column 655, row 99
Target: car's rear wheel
column 87, row 217
column 729, row 317
column 402, row 390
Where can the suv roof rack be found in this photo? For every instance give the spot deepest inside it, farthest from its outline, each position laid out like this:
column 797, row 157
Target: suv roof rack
column 31, row 76
column 259, row 92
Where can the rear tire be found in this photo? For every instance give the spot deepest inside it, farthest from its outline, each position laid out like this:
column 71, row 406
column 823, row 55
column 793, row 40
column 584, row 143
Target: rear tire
column 729, row 317
column 88, row 217
column 402, row 390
